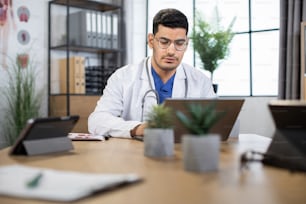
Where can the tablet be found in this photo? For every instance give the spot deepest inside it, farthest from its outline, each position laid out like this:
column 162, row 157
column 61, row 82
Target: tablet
column 45, row 135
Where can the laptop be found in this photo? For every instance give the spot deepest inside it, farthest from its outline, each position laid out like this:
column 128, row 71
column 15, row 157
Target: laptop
column 45, row 135
column 223, row 127
column 289, row 140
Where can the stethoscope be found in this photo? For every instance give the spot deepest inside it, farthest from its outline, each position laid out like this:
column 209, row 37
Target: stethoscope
column 154, row 91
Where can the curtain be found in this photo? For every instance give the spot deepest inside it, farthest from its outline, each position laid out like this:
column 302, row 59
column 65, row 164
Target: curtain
column 292, row 13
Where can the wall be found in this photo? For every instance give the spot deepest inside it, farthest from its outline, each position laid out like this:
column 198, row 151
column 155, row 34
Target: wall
column 255, row 116
column 36, row 26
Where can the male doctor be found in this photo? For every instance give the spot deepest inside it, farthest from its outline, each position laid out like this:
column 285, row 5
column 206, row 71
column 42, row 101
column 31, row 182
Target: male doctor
column 132, row 90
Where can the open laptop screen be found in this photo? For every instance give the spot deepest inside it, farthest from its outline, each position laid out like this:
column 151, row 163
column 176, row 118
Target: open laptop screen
column 231, row 107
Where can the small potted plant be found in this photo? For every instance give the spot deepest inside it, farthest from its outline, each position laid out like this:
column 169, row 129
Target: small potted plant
column 21, row 98
column 200, row 147
column 159, row 133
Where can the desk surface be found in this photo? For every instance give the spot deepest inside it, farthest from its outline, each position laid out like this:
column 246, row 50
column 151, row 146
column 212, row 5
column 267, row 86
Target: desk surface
column 165, row 181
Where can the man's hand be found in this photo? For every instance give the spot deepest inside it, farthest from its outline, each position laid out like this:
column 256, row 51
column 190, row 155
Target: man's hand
column 138, row 130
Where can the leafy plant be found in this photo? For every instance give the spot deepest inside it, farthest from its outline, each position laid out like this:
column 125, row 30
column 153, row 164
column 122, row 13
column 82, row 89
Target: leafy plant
column 200, row 119
column 211, row 42
column 20, row 97
column 160, row 117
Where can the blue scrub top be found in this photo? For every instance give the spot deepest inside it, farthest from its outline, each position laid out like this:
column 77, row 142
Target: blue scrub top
column 164, row 90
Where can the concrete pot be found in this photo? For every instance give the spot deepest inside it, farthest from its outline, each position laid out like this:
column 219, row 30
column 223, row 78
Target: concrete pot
column 158, row 142
column 201, row 153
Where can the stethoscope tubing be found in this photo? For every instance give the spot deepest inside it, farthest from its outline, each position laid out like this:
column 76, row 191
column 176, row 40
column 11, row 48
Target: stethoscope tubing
column 153, row 90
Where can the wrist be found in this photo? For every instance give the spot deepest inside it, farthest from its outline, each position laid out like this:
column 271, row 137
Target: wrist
column 133, row 132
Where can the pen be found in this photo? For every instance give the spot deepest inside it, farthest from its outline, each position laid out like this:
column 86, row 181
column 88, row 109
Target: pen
column 34, row 182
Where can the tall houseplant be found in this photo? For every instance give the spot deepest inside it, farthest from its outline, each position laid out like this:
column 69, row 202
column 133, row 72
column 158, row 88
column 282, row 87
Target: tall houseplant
column 211, row 42
column 200, row 147
column 159, row 133
column 20, row 97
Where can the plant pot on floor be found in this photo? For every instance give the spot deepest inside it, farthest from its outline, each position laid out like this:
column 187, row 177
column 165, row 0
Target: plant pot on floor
column 201, row 153
column 158, row 142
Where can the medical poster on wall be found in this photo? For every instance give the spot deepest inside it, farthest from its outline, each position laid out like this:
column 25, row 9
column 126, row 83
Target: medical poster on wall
column 22, row 27
column 23, row 34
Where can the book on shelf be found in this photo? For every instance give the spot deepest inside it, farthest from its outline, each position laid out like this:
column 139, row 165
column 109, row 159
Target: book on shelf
column 76, row 75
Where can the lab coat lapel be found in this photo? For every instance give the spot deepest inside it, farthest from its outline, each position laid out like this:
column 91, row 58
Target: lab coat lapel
column 179, row 83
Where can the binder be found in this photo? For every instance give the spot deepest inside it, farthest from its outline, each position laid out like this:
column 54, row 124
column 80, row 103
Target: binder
column 115, row 31
column 93, row 29
column 104, row 30
column 76, row 75
column 81, row 77
column 63, row 76
column 99, row 30
column 80, row 27
column 108, row 32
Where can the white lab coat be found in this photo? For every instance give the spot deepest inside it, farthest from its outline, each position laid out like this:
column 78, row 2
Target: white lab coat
column 120, row 107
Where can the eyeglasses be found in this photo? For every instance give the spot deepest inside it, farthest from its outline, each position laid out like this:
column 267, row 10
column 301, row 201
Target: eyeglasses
column 179, row 45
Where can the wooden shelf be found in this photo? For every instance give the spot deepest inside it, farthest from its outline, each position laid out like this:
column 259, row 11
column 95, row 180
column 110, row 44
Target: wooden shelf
column 72, row 102
column 84, row 49
column 58, row 108
column 92, row 5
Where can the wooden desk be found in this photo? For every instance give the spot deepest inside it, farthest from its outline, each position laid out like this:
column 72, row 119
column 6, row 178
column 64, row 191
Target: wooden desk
column 165, row 181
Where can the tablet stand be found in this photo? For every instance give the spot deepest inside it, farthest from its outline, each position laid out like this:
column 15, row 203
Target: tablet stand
column 49, row 145
column 287, row 149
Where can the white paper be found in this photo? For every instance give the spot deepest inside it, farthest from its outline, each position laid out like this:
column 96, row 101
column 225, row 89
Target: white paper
column 57, row 185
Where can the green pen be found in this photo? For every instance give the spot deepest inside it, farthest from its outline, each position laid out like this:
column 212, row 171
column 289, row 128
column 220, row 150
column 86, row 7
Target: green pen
column 35, row 181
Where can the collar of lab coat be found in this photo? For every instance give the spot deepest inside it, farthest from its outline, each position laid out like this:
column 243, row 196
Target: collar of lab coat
column 179, row 80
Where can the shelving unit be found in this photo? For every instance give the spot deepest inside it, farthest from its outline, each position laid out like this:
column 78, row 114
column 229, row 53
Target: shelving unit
column 65, row 41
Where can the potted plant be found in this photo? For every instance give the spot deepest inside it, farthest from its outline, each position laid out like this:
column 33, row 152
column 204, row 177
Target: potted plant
column 200, row 147
column 211, row 43
column 159, row 133
column 20, row 97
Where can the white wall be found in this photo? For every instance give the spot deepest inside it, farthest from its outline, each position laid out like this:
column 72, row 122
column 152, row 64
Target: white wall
column 255, row 116
column 36, row 26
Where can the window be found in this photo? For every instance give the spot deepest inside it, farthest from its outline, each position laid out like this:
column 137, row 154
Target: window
column 252, row 66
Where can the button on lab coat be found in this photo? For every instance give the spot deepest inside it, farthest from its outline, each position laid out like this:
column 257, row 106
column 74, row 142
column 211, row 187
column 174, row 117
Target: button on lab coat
column 123, row 103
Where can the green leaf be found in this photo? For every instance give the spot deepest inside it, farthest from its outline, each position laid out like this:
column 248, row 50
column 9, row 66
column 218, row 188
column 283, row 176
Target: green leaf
column 200, row 119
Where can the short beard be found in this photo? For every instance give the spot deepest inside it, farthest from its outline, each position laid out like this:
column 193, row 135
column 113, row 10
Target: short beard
column 165, row 68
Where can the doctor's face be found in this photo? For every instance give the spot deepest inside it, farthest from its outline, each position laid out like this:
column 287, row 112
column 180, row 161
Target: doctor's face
column 169, row 46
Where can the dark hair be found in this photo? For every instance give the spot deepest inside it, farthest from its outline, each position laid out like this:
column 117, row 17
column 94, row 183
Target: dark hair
column 171, row 18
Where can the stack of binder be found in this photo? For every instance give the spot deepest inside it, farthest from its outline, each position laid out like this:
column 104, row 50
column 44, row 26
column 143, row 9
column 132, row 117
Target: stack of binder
column 76, row 75
column 94, row 79
column 94, row 29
